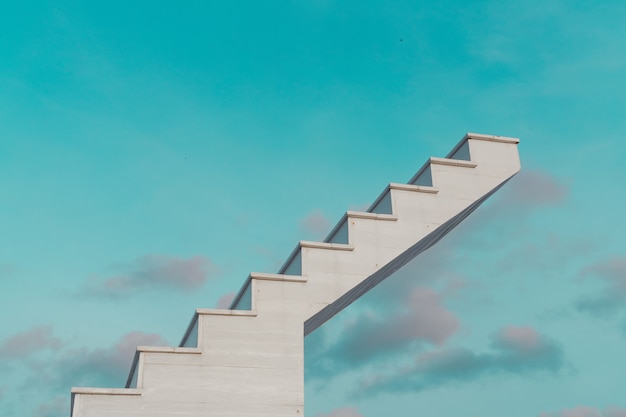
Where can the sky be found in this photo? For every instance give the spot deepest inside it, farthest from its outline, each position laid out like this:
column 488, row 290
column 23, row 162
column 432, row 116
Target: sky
column 153, row 154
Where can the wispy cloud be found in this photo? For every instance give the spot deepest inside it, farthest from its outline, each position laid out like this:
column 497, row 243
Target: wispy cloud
column 342, row 412
column 516, row 350
column 225, row 300
column 586, row 411
column 612, row 297
column 24, row 344
column 315, row 224
column 153, row 272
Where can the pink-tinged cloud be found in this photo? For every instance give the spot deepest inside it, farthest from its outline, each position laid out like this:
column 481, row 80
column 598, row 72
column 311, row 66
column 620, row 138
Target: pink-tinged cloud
column 520, row 338
column 29, row 342
column 612, row 297
column 58, row 407
column 428, row 319
column 586, row 411
column 153, row 272
column 315, row 223
column 342, row 412
column 225, row 300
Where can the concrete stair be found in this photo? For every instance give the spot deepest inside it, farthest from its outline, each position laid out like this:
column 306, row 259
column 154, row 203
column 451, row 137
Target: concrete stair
column 248, row 360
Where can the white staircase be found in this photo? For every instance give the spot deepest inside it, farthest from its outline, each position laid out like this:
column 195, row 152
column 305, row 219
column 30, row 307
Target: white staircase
column 248, row 361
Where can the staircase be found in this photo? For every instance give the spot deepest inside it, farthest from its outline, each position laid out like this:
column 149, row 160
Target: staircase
column 248, row 361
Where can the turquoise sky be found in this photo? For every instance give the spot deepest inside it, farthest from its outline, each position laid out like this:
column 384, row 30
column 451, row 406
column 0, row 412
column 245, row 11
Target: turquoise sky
column 153, row 154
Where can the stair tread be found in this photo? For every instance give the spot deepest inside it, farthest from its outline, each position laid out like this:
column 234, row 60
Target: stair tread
column 106, row 391
column 168, row 349
column 453, row 162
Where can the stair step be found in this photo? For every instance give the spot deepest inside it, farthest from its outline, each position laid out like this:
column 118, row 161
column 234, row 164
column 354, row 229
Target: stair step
column 383, row 205
column 106, row 391
column 489, row 138
column 137, row 366
column 339, row 233
column 81, row 393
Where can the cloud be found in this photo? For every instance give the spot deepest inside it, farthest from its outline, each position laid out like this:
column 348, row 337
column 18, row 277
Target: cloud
column 522, row 338
column 534, row 188
column 526, row 192
column 612, row 297
column 154, row 271
column 104, row 367
column 517, row 350
column 316, row 224
column 423, row 319
column 29, row 342
column 342, row 412
column 585, row 411
column 59, row 406
column 225, row 300
column 65, row 367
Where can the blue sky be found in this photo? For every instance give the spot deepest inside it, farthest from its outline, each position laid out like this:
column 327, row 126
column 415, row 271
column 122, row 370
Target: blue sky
column 151, row 156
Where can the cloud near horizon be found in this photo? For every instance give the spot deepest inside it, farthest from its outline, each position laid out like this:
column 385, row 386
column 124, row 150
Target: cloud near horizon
column 152, row 272
column 515, row 349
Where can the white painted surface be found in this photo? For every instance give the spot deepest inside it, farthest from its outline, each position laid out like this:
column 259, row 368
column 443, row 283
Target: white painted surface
column 249, row 360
